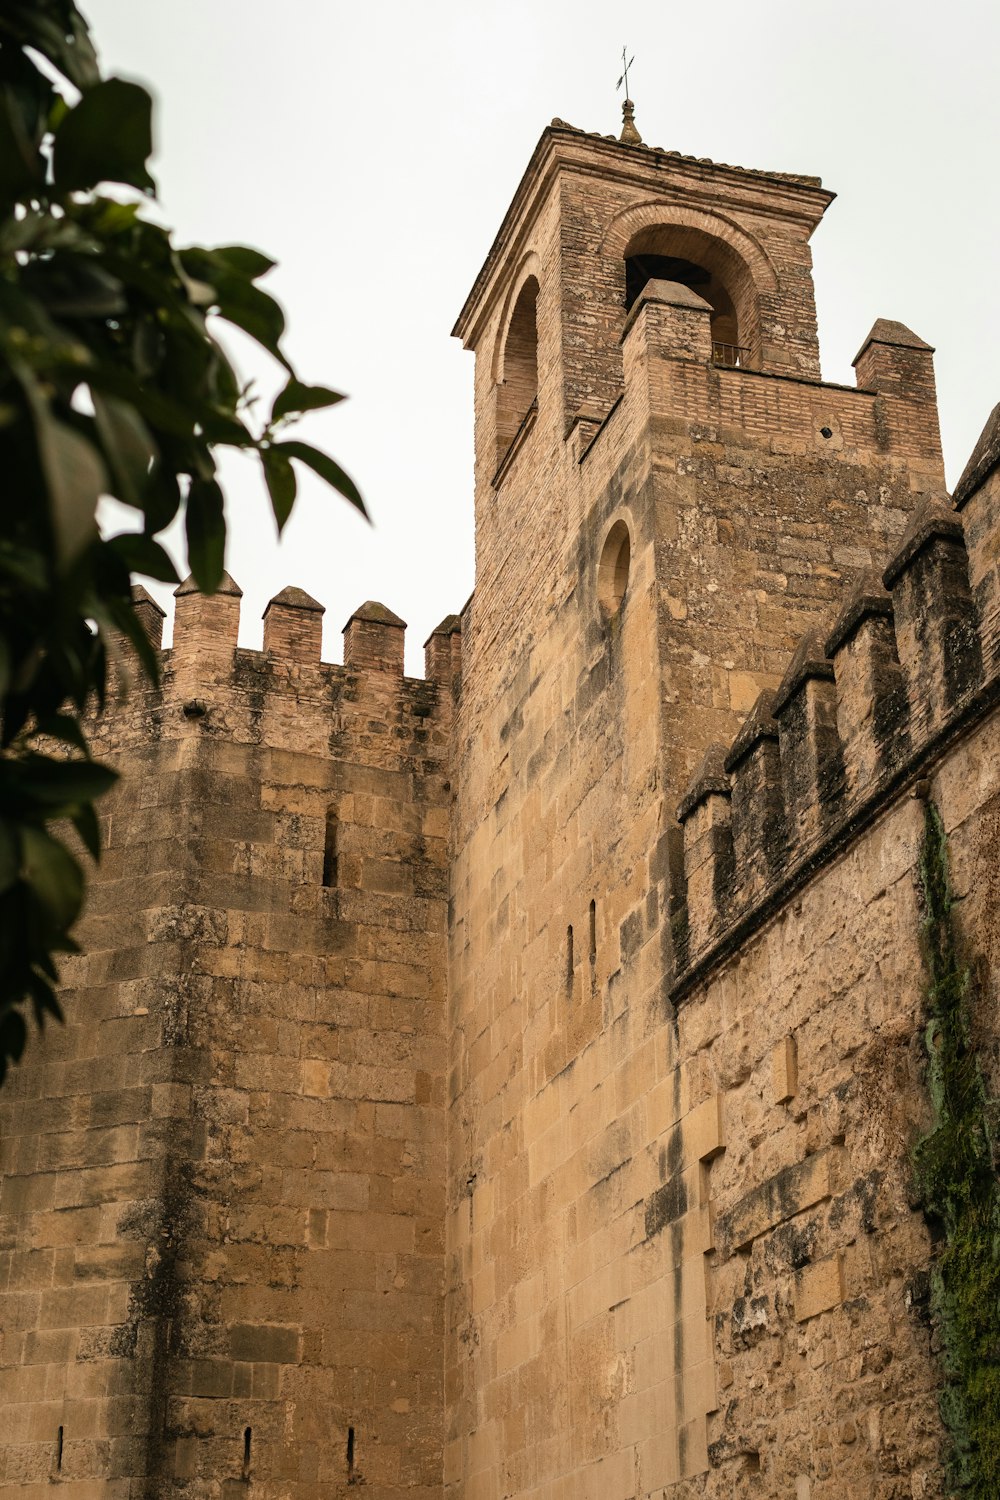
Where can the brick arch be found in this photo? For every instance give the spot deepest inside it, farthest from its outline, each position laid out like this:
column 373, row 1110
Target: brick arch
column 530, row 267
column 741, row 245
column 709, row 239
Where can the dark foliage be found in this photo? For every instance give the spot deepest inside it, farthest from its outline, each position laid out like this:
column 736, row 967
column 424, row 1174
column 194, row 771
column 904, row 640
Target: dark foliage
column 111, row 384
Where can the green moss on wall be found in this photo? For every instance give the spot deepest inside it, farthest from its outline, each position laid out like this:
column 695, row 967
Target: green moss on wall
column 955, row 1174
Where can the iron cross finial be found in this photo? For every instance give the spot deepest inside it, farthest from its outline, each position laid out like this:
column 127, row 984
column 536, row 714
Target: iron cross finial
column 629, row 136
column 626, row 64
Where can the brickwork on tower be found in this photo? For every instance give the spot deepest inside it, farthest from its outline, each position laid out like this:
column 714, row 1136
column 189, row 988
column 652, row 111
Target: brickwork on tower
column 505, row 1084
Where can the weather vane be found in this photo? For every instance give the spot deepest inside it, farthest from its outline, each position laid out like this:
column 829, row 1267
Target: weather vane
column 626, row 64
column 629, row 136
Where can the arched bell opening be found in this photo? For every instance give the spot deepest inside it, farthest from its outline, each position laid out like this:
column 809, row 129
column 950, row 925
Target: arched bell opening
column 714, row 272
column 517, row 387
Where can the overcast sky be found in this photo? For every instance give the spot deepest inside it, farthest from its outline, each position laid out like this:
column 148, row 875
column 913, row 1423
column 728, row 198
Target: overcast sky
column 372, row 150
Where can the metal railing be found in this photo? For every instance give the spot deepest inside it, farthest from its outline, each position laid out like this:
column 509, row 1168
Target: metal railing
column 733, row 356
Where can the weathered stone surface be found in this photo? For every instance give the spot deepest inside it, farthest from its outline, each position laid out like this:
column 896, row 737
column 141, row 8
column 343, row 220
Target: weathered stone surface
column 436, row 1112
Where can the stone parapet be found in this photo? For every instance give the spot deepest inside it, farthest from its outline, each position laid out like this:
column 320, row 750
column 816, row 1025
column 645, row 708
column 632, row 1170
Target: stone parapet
column 859, row 716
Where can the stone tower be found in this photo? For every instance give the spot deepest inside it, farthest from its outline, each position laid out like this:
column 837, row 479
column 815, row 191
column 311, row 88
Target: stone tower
column 669, row 500
column 504, row 1084
column 224, row 1175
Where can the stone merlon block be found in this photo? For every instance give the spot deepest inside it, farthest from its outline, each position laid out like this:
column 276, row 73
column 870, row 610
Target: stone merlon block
column 708, row 847
column 977, row 496
column 872, row 704
column 812, row 762
column 671, row 321
column 899, row 366
column 206, row 626
column 149, row 614
column 711, row 778
column 936, row 625
column 374, row 639
column 443, row 652
column 757, row 807
column 867, row 598
column 985, row 458
column 293, row 626
column 895, row 360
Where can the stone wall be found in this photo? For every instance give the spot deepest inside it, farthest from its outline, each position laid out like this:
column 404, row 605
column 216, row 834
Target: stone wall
column 222, row 1201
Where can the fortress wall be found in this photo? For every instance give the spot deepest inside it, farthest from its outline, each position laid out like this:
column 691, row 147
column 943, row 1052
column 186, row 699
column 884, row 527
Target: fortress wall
column 802, row 1012
column 223, row 1179
column 807, row 1043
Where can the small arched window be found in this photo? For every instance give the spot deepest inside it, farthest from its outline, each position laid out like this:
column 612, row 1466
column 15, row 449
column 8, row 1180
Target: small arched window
column 517, row 392
column 613, row 568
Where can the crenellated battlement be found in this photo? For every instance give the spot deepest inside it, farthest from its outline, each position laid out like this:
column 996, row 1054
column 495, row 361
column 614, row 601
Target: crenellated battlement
column 861, row 715
column 206, row 654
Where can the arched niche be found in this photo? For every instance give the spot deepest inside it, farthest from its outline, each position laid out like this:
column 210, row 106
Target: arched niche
column 517, row 366
column 667, row 252
column 738, row 270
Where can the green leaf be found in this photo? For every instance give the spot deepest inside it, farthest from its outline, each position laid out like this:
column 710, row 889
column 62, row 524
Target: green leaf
column 147, row 348
column 28, row 569
column 256, row 313
column 205, row 525
column 281, row 484
column 297, row 397
column 87, row 825
column 73, row 471
column 62, row 38
column 72, row 286
column 53, row 783
column 163, row 500
column 63, row 727
column 107, row 218
column 13, row 1035
column 107, row 137
column 22, row 170
column 10, row 854
column 128, row 446
column 224, row 263
column 326, row 467
column 160, row 411
column 53, row 874
column 43, row 998
column 246, row 261
column 142, row 554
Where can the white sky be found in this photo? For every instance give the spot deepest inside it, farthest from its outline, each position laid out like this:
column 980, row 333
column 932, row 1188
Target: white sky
column 372, row 150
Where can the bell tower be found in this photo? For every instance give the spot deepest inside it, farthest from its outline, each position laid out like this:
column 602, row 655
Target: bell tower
column 668, row 497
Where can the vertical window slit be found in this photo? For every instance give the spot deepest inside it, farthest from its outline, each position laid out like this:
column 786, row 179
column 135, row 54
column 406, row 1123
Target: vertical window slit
column 247, row 1439
column 59, row 1449
column 350, row 1452
column 593, row 931
column 569, row 959
column 330, row 850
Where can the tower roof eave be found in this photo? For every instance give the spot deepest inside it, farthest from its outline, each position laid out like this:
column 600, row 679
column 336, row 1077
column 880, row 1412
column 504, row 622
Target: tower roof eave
column 806, row 198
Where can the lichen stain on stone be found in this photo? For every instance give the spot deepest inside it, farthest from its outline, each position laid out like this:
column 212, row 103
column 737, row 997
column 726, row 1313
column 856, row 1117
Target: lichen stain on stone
column 960, row 1195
